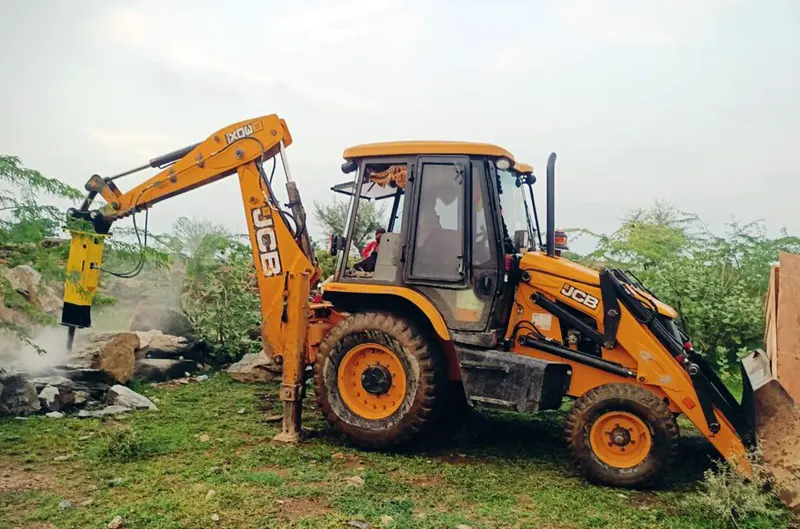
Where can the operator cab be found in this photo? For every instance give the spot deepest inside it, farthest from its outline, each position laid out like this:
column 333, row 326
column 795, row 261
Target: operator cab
column 454, row 214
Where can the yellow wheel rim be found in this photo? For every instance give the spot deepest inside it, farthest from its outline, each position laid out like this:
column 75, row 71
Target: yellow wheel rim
column 372, row 381
column 620, row 439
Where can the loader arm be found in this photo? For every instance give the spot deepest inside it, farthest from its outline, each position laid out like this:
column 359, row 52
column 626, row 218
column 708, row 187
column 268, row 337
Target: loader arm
column 283, row 257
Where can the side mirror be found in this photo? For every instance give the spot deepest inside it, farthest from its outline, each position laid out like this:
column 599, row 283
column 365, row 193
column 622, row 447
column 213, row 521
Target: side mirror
column 337, row 244
column 522, row 241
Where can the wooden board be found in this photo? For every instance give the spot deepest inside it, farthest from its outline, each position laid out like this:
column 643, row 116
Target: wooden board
column 771, row 318
column 788, row 325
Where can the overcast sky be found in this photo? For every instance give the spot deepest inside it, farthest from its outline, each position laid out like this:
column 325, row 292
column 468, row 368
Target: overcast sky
column 693, row 102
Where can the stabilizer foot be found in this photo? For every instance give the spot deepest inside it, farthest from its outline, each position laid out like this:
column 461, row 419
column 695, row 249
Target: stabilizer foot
column 291, row 431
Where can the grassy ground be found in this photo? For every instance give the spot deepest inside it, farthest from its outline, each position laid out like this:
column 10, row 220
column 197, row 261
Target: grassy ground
column 156, row 470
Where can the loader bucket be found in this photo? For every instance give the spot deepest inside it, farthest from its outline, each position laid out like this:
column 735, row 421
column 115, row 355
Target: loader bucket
column 777, row 424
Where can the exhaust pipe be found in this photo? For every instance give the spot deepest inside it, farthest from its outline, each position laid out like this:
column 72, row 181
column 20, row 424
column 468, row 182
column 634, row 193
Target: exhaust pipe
column 551, row 205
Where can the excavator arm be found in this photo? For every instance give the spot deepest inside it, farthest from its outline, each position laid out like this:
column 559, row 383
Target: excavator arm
column 285, row 264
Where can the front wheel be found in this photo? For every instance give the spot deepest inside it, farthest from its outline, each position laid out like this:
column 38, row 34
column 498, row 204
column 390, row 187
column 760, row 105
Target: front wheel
column 377, row 381
column 621, row 435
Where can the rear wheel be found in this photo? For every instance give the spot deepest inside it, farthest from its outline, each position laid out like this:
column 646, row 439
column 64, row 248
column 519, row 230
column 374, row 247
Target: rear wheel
column 622, row 435
column 376, row 380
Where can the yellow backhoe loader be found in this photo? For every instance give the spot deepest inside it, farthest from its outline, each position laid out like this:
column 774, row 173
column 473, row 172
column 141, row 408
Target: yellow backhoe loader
column 461, row 306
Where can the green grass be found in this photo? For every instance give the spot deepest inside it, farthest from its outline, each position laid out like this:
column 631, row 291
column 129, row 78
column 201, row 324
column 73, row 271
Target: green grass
column 154, row 470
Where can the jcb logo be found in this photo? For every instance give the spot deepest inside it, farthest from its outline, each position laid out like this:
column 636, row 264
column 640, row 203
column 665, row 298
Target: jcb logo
column 243, row 132
column 580, row 296
column 268, row 254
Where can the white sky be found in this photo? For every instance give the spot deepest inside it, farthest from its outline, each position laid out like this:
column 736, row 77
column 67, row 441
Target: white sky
column 694, row 102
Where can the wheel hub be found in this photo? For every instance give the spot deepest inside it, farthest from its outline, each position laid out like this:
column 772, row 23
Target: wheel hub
column 372, row 381
column 376, row 380
column 620, row 436
column 620, row 439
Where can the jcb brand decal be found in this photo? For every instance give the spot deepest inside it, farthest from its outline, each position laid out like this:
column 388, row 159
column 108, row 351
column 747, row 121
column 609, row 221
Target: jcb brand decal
column 268, row 254
column 580, row 296
column 243, row 132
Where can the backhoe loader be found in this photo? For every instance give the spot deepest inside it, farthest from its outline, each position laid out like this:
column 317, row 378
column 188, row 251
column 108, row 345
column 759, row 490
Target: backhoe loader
column 462, row 307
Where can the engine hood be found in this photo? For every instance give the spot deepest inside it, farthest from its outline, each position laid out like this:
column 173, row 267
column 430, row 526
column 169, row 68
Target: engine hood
column 570, row 270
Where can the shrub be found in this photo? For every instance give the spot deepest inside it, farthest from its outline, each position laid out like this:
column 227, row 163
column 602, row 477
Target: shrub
column 742, row 502
column 122, row 444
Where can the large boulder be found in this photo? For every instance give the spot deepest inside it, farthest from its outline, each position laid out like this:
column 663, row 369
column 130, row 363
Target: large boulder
column 255, row 368
column 160, row 369
column 156, row 344
column 28, row 281
column 18, row 395
column 125, row 396
column 112, row 353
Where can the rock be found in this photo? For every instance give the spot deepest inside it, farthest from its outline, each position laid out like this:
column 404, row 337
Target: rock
column 109, row 410
column 356, row 481
column 80, row 398
column 210, row 494
column 202, row 378
column 241, row 411
column 62, row 458
column 85, row 375
column 463, row 526
column 160, row 369
column 62, row 383
column 386, row 520
column 112, row 353
column 23, row 278
column 115, row 523
column 28, row 282
column 358, row 524
column 254, row 368
column 18, row 396
column 204, row 438
column 337, row 455
column 54, row 414
column 125, row 396
column 156, row 344
column 65, row 504
column 86, row 503
column 48, row 398
column 215, row 517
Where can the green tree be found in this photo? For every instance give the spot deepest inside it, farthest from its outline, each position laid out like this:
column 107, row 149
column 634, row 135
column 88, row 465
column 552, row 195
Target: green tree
column 333, row 217
column 220, row 293
column 717, row 283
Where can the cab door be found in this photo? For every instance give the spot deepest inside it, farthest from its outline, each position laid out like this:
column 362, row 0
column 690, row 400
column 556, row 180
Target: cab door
column 451, row 254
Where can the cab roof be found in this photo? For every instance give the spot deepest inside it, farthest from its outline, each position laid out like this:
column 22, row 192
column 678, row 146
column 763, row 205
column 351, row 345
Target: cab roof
column 400, row 148
column 524, row 168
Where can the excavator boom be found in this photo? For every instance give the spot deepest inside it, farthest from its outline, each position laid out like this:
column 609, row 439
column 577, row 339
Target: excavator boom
column 282, row 253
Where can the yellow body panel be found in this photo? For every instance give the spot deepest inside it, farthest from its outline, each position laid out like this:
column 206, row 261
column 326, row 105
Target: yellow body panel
column 83, row 267
column 275, row 254
column 401, row 148
column 524, row 168
column 423, row 303
column 636, row 347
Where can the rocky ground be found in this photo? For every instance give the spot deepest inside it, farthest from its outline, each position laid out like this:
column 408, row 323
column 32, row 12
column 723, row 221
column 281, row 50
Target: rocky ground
column 92, row 380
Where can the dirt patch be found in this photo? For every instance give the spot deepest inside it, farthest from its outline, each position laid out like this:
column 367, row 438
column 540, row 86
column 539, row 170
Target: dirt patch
column 643, row 500
column 422, row 481
column 280, row 471
column 15, row 479
column 295, row 508
column 348, row 461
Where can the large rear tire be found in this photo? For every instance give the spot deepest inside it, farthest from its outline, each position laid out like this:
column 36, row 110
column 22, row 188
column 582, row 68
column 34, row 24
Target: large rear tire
column 621, row 435
column 377, row 380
